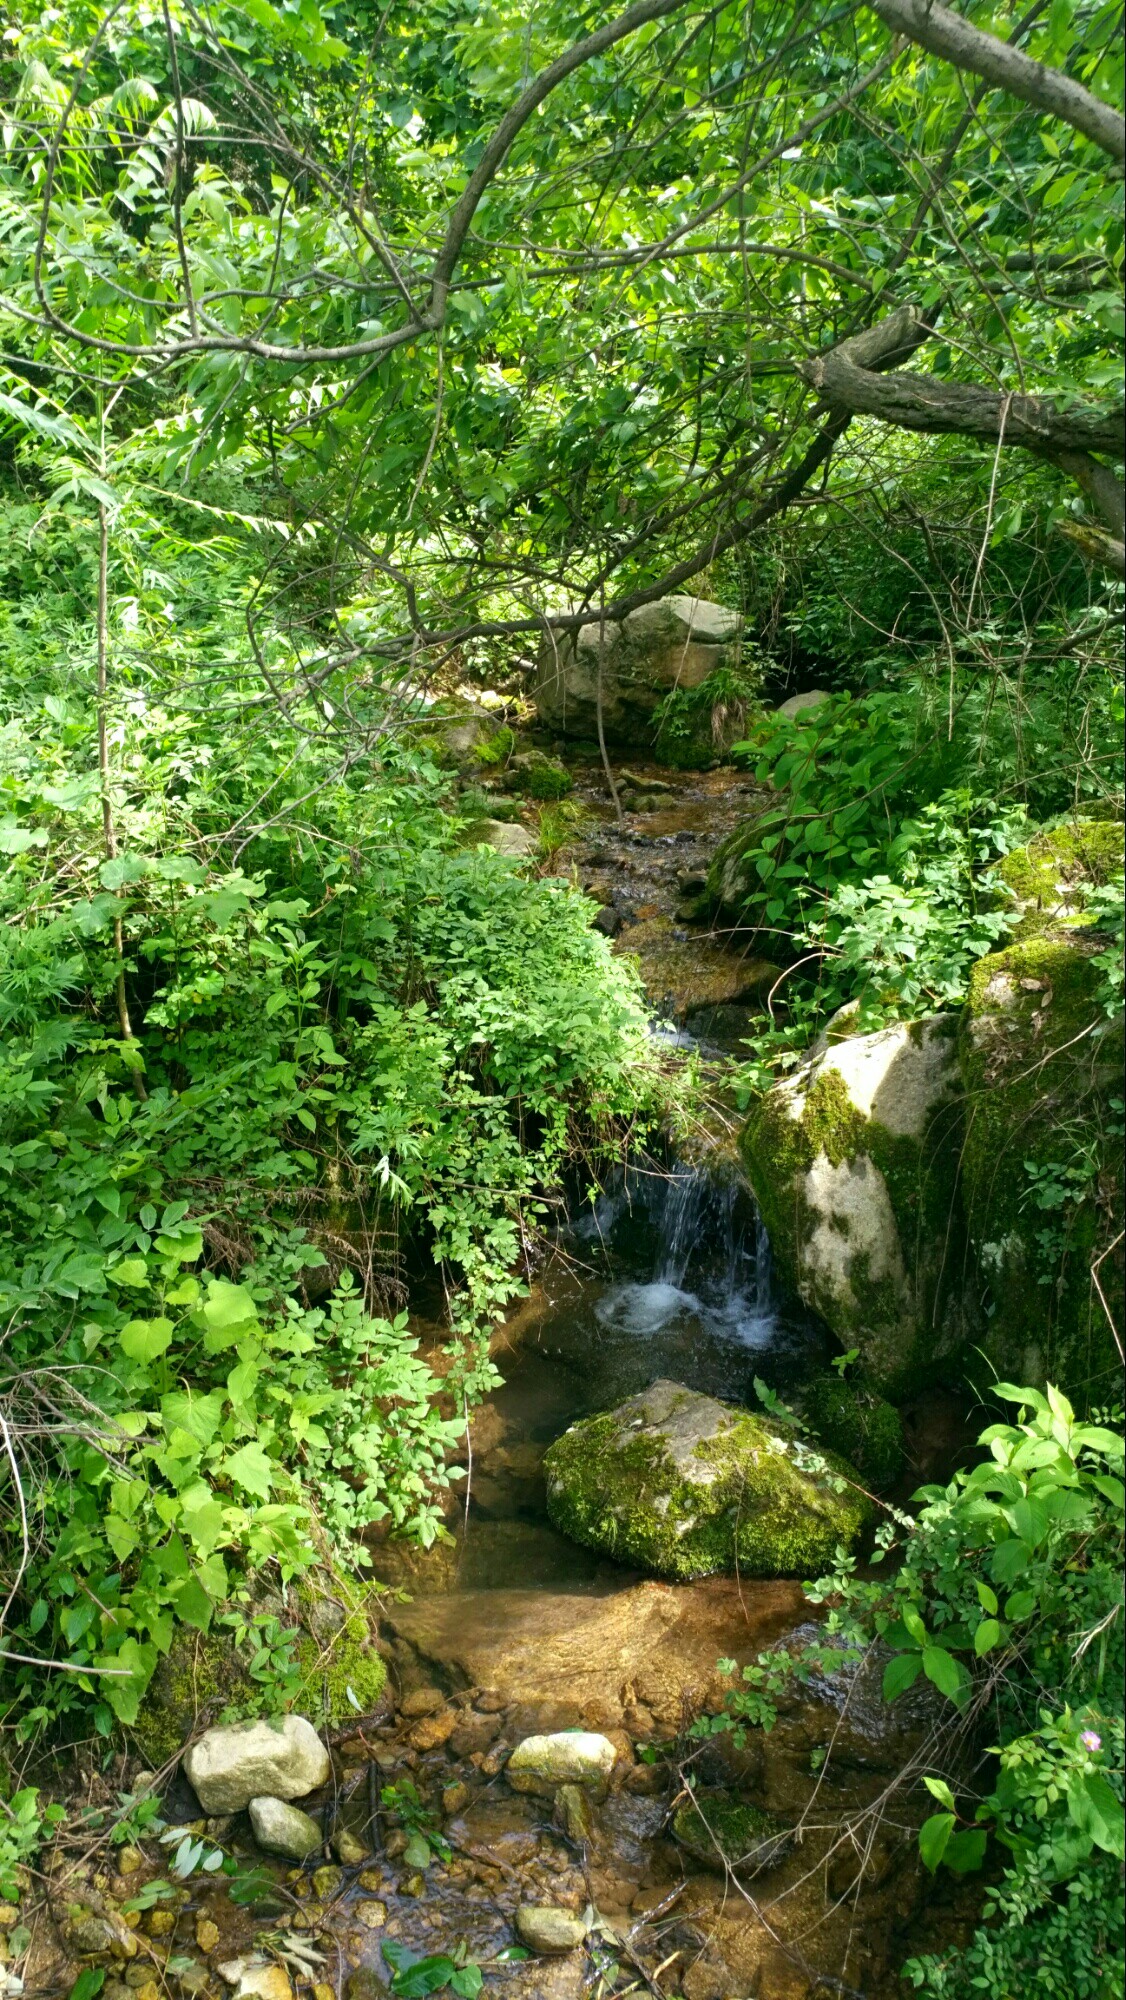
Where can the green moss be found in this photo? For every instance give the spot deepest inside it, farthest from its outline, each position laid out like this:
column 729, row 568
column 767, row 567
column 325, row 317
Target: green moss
column 342, row 1675
column 894, row 1326
column 200, row 1676
column 858, row 1424
column 1051, row 874
column 719, row 1828
column 761, row 1514
column 1042, row 1066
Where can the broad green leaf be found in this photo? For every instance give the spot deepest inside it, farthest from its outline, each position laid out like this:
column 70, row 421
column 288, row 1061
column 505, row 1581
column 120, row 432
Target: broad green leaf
column 934, row 1838
column 901, row 1674
column 144, row 1340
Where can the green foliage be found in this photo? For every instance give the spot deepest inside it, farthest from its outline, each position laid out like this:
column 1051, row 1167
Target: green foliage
column 23, row 1827
column 424, row 1836
column 1105, row 911
column 695, row 725
column 1009, row 1586
column 414, row 1974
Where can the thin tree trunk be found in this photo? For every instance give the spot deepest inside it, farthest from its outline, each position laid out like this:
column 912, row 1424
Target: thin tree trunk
column 109, row 832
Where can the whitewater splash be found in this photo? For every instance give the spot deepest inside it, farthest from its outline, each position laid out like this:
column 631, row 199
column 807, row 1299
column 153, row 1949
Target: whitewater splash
column 712, row 1267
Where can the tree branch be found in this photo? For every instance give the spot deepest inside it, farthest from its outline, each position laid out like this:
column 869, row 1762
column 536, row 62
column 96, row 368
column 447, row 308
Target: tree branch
column 943, row 33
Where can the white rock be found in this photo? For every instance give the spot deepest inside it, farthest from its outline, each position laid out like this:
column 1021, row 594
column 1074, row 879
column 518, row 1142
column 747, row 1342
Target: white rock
column 281, row 1759
column 812, row 698
column 284, row 1829
column 570, row 1757
column 505, row 837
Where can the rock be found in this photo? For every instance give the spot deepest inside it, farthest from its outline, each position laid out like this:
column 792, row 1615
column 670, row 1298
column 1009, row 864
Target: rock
column 854, row 1160
column 371, row 1880
column 454, row 1799
column 230, row 1766
column 349, row 1850
column 569, row 1757
column 560, row 1659
column 1042, row 1064
column 363, row 1984
column 256, row 1980
column 474, row 1732
column 852, row 1420
column 372, row 1915
column 608, row 921
column 684, row 971
column 798, row 703
column 686, row 1486
column 207, row 1934
column 513, row 841
column 161, row 1922
column 675, row 642
column 548, row 1930
column 434, row 1730
column 326, row 1882
column 284, row 1829
column 1051, row 877
column 572, row 1811
column 422, row 1701
column 129, row 1859
column 721, row 1831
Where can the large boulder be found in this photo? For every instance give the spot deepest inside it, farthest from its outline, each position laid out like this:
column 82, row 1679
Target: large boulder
column 854, row 1162
column 675, row 642
column 685, row 1486
column 281, row 1759
column 1042, row 1176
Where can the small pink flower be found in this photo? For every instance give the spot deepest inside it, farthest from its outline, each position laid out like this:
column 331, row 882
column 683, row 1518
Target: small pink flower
column 1090, row 1741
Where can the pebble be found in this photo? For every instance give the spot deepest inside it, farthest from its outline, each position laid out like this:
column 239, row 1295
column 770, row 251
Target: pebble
column 544, row 1928
column 434, row 1730
column 372, row 1879
column 129, row 1860
column 454, row 1799
column 372, row 1915
column 161, row 1922
column 413, row 1885
column 348, row 1848
column 207, row 1934
column 422, row 1701
column 326, row 1881
column 284, row 1829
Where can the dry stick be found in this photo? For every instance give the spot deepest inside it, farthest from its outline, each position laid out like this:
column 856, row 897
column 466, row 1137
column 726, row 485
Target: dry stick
column 109, row 831
column 1102, row 1294
column 606, row 766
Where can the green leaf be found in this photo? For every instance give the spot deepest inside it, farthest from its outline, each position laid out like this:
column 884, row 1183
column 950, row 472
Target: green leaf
column 144, row 1340
column 940, row 1790
column 965, row 1850
column 934, row 1838
column 130, row 1271
column 987, row 1636
column 901, row 1674
column 89, row 1982
column 941, row 1668
column 254, row 1472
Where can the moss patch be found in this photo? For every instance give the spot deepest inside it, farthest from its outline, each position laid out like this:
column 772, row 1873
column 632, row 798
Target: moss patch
column 719, row 1829
column 342, row 1675
column 1042, row 1067
column 739, row 1500
column 1051, row 875
column 852, row 1420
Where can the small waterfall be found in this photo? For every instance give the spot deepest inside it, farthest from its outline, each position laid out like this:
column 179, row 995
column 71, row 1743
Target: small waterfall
column 687, row 1199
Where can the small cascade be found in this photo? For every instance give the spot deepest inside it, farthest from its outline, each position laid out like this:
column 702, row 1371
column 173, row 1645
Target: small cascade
column 687, row 1199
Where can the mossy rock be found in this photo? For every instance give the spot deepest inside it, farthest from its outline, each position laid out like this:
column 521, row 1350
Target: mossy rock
column 684, row 1486
column 854, row 1163
column 1051, row 877
column 204, row 1676
column 853, row 1420
column 722, row 1831
column 1043, row 1070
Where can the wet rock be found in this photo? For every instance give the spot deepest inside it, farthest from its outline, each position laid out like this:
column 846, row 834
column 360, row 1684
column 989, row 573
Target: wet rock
column 454, row 1799
column 563, row 1660
column 854, row 1160
column 684, row 971
column 129, row 1859
column 852, row 1420
column 573, row 1812
column 474, row 1732
column 349, row 1849
column 193, row 1980
column 627, row 668
column 434, row 1730
column 552, row 1931
column 207, row 1934
column 326, row 1881
column 609, row 921
column 230, row 1766
column 372, row 1915
column 569, row 1757
column 721, row 1832
column 254, row 1979
column 686, row 1486
column 422, row 1701
column 284, row 1829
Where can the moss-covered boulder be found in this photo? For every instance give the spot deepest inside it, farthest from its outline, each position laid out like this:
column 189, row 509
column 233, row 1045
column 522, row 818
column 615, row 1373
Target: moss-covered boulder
column 854, row 1162
column 1042, row 1065
column 685, row 1486
column 722, row 1831
column 853, row 1420
column 1052, row 876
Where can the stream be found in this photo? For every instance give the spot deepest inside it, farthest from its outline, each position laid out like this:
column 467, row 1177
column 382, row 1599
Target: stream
column 507, row 1629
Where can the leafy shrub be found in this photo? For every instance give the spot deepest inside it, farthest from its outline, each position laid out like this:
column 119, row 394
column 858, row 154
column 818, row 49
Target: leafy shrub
column 694, row 726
